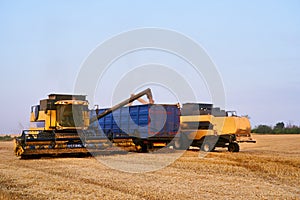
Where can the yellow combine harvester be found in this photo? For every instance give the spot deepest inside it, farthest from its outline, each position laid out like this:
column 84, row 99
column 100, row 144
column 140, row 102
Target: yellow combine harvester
column 52, row 126
column 206, row 127
column 61, row 125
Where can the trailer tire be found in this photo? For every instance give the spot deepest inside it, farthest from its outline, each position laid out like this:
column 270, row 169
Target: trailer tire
column 182, row 143
column 233, row 147
column 207, row 147
column 110, row 136
column 142, row 147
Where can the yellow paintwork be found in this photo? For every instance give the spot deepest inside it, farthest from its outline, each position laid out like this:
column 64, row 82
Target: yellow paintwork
column 52, row 122
column 237, row 125
column 196, row 118
column 221, row 125
column 159, row 144
column 49, row 118
column 197, row 135
column 71, row 102
column 86, row 116
column 41, row 117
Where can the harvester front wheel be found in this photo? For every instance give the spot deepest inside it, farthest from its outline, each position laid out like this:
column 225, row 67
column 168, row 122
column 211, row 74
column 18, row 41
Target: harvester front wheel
column 233, row 147
column 19, row 151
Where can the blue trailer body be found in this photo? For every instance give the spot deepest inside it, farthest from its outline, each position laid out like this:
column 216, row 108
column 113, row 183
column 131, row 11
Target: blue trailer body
column 150, row 121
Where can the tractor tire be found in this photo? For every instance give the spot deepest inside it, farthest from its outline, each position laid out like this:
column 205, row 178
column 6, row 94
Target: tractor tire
column 233, row 147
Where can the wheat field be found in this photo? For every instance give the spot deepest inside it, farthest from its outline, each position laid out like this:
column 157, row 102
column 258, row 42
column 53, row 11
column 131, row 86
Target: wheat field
column 269, row 169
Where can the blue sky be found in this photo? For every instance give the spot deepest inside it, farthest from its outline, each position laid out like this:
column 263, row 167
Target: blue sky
column 254, row 44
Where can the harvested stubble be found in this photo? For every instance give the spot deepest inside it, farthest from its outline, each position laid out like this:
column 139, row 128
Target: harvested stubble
column 269, row 169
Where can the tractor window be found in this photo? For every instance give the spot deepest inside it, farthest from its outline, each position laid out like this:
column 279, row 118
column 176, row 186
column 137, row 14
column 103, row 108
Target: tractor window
column 35, row 110
column 67, row 115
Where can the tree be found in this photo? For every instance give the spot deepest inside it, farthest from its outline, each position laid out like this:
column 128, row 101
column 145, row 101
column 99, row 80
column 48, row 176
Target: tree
column 279, row 125
column 262, row 129
column 279, row 128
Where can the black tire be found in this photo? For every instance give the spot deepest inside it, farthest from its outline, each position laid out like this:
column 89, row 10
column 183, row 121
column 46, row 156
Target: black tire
column 18, row 151
column 233, row 147
column 143, row 147
column 110, row 136
column 207, row 147
column 182, row 143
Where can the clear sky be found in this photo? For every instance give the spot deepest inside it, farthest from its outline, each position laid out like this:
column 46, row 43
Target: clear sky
column 254, row 44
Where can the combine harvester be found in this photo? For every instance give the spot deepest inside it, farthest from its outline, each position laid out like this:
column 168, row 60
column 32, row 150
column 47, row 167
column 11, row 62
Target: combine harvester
column 63, row 124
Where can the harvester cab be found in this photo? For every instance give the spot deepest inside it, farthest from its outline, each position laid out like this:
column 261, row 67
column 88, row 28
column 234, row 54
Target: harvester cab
column 60, row 112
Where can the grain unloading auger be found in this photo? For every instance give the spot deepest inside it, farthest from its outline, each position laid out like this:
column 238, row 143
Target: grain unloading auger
column 60, row 125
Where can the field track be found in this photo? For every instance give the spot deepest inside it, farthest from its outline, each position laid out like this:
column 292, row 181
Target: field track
column 269, row 169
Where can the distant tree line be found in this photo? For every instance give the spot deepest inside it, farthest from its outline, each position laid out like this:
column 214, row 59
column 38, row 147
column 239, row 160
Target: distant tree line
column 279, row 128
column 6, row 138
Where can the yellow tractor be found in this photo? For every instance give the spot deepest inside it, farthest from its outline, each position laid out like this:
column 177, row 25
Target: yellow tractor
column 207, row 127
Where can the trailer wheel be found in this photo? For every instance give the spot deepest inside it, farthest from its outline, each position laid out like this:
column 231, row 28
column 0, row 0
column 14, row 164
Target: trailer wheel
column 182, row 143
column 207, row 147
column 110, row 136
column 233, row 147
column 142, row 148
column 140, row 145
